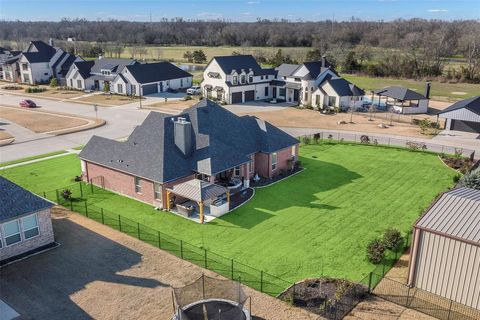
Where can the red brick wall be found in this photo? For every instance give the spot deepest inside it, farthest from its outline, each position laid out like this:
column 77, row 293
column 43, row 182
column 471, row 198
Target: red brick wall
column 263, row 162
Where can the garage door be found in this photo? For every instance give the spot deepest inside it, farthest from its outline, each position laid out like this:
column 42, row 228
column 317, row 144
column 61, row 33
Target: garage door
column 237, row 97
column 467, row 126
column 249, row 95
column 149, row 89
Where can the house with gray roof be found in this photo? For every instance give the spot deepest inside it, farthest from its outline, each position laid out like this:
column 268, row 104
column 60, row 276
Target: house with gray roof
column 150, row 78
column 445, row 253
column 40, row 62
column 205, row 142
column 404, row 100
column 25, row 224
column 93, row 75
column 463, row 115
column 8, row 58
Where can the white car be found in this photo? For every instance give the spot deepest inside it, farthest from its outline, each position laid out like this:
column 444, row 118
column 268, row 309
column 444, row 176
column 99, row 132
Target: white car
column 195, row 90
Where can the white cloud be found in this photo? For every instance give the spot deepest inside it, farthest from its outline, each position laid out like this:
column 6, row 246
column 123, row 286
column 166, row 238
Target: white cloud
column 437, row 10
column 247, row 14
column 253, row 2
column 210, row 15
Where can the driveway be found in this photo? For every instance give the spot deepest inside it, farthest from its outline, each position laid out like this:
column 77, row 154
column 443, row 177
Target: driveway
column 258, row 106
column 100, row 273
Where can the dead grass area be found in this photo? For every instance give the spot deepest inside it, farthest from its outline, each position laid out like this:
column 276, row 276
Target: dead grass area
column 303, row 118
column 59, row 93
column 47, row 122
column 106, row 99
column 172, row 105
column 100, row 273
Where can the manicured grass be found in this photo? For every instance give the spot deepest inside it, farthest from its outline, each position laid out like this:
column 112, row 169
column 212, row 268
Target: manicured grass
column 7, row 163
column 439, row 90
column 315, row 223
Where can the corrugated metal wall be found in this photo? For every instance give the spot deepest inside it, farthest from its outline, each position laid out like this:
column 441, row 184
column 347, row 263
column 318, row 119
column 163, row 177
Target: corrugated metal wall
column 449, row 268
column 461, row 114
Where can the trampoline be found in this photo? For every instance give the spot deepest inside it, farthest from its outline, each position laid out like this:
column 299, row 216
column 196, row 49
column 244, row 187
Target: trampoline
column 210, row 298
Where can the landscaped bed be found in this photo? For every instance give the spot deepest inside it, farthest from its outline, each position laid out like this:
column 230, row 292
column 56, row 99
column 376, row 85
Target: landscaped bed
column 316, row 223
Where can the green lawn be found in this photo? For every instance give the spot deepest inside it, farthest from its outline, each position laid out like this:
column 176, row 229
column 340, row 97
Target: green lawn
column 7, row 163
column 439, row 91
column 315, row 223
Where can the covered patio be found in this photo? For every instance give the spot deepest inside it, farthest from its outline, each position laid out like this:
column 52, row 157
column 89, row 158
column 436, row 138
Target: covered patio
column 401, row 100
column 198, row 200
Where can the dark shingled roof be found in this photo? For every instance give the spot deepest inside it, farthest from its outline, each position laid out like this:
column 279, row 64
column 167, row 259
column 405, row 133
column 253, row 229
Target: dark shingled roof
column 400, row 93
column 221, row 141
column 472, row 104
column 16, row 201
column 344, row 88
column 286, row 69
column 84, row 68
column 153, row 72
column 43, row 54
column 114, row 65
column 238, row 62
column 315, row 68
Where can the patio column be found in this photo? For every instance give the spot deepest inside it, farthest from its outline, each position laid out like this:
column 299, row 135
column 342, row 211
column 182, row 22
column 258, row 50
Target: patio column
column 168, row 200
column 200, row 205
column 228, row 199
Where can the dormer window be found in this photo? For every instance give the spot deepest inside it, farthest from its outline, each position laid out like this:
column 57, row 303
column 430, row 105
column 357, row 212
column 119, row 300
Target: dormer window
column 235, row 80
column 106, row 72
column 250, row 78
column 242, row 78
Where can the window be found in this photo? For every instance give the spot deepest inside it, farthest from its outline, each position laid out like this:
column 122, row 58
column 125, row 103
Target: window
column 106, row 72
column 30, row 226
column 181, row 82
column 306, row 95
column 25, row 66
column 236, row 172
column 298, row 79
column 250, row 79
column 235, row 80
column 266, row 91
column 79, row 84
column 12, row 232
column 120, row 88
column 332, row 101
column 242, row 78
column 274, row 161
column 138, row 185
column 157, row 191
column 282, row 92
column 261, row 77
column 168, row 83
column 251, row 165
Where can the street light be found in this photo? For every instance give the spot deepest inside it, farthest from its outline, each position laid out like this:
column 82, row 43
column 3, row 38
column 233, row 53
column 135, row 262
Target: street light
column 140, row 95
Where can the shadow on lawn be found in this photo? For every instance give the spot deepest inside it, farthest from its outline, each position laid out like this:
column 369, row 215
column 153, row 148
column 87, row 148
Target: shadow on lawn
column 300, row 191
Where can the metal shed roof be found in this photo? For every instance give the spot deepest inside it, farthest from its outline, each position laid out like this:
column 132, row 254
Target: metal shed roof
column 456, row 214
column 198, row 190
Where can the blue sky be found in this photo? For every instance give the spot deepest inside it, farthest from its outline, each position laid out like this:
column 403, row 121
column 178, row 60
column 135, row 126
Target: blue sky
column 235, row 10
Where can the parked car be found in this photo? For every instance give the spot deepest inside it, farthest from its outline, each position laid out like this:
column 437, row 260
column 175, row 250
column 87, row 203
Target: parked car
column 27, row 104
column 195, row 90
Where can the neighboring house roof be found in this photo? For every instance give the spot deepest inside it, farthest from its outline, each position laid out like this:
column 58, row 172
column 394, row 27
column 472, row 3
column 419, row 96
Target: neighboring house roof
column 400, row 93
column 7, row 55
column 84, row 68
column 315, row 68
column 221, row 141
column 62, row 56
column 67, row 64
column 286, row 69
column 114, row 65
column 238, row 62
column 344, row 88
column 43, row 54
column 455, row 214
column 153, row 72
column 16, row 201
column 472, row 104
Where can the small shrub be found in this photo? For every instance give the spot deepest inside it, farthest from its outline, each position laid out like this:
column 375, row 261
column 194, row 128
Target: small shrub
column 306, row 140
column 78, row 178
column 458, row 152
column 456, row 178
column 35, row 89
column 415, row 146
column 186, row 98
column 392, row 238
column 67, row 194
column 53, row 83
column 376, row 251
column 364, row 139
column 316, row 137
column 471, row 179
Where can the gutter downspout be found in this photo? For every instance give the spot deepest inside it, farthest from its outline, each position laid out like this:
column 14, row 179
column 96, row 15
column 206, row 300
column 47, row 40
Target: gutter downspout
column 412, row 265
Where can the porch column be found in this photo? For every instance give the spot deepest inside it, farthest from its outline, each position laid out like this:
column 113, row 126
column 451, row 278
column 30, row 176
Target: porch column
column 168, row 200
column 228, row 199
column 200, row 205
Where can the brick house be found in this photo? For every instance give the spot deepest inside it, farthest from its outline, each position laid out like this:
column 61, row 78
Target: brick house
column 25, row 224
column 205, row 142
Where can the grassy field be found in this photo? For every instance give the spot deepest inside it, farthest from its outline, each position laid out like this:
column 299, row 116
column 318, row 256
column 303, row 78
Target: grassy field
column 315, row 223
column 439, row 90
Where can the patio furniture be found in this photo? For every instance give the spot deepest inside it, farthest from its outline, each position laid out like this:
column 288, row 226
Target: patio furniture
column 185, row 210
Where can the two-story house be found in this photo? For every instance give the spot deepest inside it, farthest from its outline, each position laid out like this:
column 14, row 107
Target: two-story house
column 39, row 62
column 8, row 58
column 236, row 79
column 93, row 75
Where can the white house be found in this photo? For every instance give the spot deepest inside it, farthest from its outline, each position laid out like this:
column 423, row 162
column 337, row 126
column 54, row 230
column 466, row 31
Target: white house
column 149, row 78
column 92, row 75
column 236, row 79
column 39, row 62
column 8, row 65
column 463, row 115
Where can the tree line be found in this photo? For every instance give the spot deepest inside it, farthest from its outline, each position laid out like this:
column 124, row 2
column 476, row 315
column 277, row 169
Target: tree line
column 413, row 48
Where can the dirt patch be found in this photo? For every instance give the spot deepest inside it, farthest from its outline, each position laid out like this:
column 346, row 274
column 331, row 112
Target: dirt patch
column 47, row 122
column 176, row 106
column 302, row 118
column 106, row 99
column 458, row 163
column 101, row 273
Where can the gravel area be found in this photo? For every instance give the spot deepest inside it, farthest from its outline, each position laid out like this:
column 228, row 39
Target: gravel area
column 100, row 273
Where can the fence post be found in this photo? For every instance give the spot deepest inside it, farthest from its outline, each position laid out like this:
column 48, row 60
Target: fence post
column 205, row 251
column 119, row 223
column 449, row 309
column 408, row 296
column 103, row 219
column 370, row 275
column 81, row 190
column 181, row 249
column 232, row 269
column 261, row 281
column 138, row 230
column 91, row 185
column 159, row 240
column 86, row 208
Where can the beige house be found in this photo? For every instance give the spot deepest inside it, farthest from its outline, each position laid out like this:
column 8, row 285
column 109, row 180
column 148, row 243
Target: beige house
column 445, row 256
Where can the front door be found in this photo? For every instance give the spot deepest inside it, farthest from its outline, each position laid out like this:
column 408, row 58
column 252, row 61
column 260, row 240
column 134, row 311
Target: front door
column 96, row 85
column 274, row 92
column 295, row 95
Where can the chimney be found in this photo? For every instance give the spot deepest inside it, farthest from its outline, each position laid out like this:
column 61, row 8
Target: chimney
column 183, row 136
column 50, row 42
column 427, row 90
column 323, row 61
column 100, row 56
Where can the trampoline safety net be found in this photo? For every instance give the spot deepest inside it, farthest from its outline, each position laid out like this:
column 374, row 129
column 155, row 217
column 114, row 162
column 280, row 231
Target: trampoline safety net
column 210, row 298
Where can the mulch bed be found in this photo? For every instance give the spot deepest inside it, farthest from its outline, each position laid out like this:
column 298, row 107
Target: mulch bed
column 263, row 182
column 239, row 198
column 458, row 163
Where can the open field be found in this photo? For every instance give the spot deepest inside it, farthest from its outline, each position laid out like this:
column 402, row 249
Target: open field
column 439, row 91
column 315, row 223
column 292, row 117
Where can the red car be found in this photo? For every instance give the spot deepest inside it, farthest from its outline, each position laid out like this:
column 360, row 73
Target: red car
column 27, row 104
